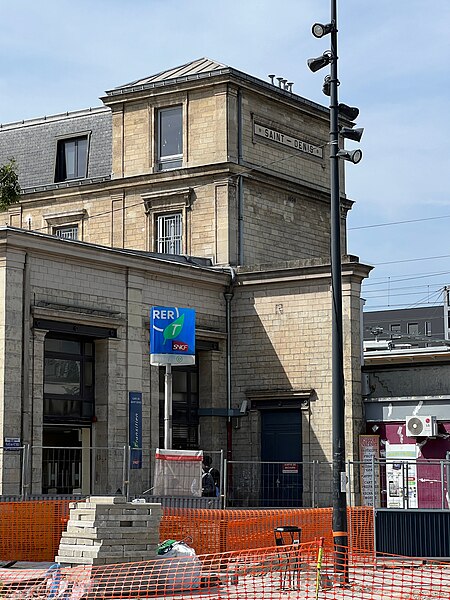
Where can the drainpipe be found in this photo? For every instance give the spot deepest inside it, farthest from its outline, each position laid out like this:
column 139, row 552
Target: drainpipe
column 240, row 183
column 240, row 220
column 228, row 295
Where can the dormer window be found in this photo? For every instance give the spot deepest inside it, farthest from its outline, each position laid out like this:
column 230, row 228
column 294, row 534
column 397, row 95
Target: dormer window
column 71, row 158
column 170, row 138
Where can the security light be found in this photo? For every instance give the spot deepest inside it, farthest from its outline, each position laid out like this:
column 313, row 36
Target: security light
column 319, row 30
column 352, row 134
column 351, row 112
column 315, row 64
column 353, row 156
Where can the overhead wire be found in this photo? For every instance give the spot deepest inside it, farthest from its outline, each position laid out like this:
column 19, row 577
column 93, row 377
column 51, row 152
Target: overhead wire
column 388, row 224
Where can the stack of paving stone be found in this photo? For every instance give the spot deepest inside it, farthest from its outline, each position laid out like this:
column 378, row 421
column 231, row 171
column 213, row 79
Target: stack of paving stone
column 105, row 530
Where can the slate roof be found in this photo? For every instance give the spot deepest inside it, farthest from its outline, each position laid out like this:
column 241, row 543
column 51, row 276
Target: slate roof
column 33, row 145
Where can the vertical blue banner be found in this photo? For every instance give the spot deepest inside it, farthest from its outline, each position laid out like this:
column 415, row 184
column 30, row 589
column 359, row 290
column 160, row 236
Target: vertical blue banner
column 135, row 429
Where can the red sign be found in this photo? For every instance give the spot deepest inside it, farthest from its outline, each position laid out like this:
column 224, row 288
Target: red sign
column 180, row 346
column 290, row 468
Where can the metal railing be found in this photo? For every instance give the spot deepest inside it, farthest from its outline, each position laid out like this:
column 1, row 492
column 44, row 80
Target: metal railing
column 45, row 471
column 402, row 484
column 28, row 472
column 422, row 483
column 277, row 484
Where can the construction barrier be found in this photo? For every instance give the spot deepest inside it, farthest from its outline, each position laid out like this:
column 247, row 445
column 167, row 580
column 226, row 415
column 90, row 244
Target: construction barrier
column 306, row 571
column 31, row 530
column 214, row 531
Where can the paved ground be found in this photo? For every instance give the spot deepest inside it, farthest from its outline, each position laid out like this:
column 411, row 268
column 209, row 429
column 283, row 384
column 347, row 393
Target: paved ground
column 419, row 582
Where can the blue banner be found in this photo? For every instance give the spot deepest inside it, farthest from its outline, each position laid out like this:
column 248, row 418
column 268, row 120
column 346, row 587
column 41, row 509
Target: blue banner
column 135, row 429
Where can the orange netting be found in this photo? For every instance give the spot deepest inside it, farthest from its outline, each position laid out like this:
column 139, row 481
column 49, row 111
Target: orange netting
column 275, row 573
column 31, row 530
column 226, row 530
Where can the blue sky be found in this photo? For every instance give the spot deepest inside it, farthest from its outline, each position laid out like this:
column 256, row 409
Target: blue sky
column 393, row 65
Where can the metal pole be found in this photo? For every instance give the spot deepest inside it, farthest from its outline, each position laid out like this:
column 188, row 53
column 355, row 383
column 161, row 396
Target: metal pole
column 225, row 492
column 168, row 408
column 340, row 531
column 25, row 473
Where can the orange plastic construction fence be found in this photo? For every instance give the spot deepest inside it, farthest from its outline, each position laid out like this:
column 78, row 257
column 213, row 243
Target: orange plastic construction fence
column 213, row 531
column 31, row 530
column 275, row 573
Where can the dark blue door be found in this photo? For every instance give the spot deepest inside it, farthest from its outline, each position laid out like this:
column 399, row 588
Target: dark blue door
column 281, row 442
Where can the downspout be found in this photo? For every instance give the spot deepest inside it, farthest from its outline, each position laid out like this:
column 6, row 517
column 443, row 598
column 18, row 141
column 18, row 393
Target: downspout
column 240, row 183
column 228, row 295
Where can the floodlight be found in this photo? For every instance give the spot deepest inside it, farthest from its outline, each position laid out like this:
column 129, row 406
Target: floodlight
column 353, row 156
column 351, row 112
column 352, row 134
column 315, row 64
column 319, row 30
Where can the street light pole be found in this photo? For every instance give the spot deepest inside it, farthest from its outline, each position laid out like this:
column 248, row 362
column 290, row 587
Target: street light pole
column 330, row 88
column 340, row 534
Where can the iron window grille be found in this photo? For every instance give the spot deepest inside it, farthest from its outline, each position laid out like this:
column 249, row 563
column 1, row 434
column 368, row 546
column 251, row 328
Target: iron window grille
column 69, row 232
column 169, row 233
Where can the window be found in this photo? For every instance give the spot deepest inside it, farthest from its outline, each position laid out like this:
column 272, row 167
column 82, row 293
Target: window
column 395, row 328
column 170, row 138
column 71, row 158
column 169, row 235
column 68, row 380
column 69, row 232
column 413, row 328
column 427, row 327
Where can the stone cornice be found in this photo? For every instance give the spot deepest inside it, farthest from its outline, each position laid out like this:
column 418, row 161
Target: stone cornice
column 187, row 177
column 109, row 258
column 294, row 272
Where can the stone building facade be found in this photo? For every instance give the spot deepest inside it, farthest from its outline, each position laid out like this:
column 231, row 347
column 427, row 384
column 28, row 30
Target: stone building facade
column 200, row 187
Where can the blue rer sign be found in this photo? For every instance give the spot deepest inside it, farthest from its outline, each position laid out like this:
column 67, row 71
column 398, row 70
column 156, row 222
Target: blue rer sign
column 172, row 335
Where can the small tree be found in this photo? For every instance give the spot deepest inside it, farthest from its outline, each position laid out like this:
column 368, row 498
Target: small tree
column 9, row 185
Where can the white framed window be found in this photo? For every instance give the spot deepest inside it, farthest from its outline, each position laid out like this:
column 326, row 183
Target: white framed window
column 169, row 233
column 170, row 138
column 71, row 158
column 67, row 232
column 395, row 328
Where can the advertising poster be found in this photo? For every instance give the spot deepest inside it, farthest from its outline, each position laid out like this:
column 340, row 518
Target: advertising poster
column 401, row 476
column 369, row 455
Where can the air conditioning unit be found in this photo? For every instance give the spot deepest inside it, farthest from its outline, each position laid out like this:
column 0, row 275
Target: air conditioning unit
column 421, row 426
